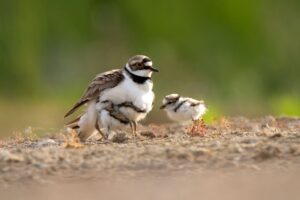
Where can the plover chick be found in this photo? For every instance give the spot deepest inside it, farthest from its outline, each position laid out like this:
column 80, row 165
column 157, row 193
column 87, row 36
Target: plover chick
column 110, row 120
column 183, row 109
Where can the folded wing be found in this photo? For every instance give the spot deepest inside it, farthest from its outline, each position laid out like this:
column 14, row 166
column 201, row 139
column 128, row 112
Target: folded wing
column 99, row 83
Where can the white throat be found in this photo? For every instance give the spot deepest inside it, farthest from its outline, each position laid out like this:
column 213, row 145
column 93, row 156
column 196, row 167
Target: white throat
column 143, row 73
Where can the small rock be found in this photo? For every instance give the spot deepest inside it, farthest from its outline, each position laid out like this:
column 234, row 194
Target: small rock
column 11, row 157
column 200, row 152
column 268, row 152
column 46, row 142
column 249, row 140
column 119, row 138
column 276, row 135
column 238, row 148
column 183, row 156
column 5, row 169
column 148, row 134
column 294, row 150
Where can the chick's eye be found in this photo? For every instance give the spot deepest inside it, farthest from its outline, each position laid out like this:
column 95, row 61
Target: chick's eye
column 139, row 64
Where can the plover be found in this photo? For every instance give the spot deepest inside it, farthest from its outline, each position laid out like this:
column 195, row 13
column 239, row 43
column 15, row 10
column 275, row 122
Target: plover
column 110, row 119
column 182, row 109
column 131, row 85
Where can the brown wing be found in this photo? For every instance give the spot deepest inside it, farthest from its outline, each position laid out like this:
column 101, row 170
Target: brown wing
column 101, row 82
column 196, row 102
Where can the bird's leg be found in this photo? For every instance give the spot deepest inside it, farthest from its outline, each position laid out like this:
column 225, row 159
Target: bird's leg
column 196, row 121
column 131, row 127
column 82, row 137
column 110, row 133
column 104, row 136
column 190, row 127
column 134, row 128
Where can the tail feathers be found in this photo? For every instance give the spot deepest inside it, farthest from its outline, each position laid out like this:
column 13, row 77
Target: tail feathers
column 203, row 109
column 74, row 123
column 75, row 107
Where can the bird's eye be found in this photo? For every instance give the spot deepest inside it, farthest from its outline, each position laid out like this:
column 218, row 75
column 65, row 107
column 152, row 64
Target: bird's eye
column 139, row 64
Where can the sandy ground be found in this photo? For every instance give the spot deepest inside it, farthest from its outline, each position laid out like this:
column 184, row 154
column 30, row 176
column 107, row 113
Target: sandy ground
column 235, row 158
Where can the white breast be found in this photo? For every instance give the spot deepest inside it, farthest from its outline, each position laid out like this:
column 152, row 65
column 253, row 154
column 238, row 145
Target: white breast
column 141, row 95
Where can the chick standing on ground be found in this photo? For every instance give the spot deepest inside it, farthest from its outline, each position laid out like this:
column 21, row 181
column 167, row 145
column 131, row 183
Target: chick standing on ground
column 110, row 119
column 183, row 109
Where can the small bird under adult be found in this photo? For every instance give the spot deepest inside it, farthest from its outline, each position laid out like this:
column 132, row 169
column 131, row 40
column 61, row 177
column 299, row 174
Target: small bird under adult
column 110, row 119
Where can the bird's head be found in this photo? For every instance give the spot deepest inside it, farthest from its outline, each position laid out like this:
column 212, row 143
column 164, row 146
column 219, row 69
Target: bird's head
column 140, row 65
column 106, row 104
column 170, row 100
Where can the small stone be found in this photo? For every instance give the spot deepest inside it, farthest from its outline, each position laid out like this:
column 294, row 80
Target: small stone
column 46, row 142
column 11, row 157
column 5, row 169
column 200, row 152
column 119, row 138
column 268, row 152
column 276, row 135
column 148, row 134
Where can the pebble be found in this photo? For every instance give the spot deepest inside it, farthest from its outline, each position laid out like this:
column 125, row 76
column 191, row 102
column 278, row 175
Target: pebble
column 46, row 142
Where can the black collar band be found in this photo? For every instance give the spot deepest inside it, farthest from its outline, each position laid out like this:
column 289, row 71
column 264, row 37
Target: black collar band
column 137, row 79
column 179, row 105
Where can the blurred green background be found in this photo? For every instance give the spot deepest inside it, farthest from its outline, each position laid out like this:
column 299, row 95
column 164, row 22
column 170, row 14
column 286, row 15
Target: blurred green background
column 241, row 57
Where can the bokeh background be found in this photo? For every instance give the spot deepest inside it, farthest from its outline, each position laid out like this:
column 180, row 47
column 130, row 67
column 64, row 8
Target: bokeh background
column 241, row 57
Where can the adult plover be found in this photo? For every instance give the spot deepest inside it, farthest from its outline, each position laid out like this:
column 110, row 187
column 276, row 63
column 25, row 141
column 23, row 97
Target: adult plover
column 130, row 86
column 182, row 109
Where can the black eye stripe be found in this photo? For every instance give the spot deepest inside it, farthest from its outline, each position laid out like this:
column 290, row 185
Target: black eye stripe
column 146, row 60
column 173, row 100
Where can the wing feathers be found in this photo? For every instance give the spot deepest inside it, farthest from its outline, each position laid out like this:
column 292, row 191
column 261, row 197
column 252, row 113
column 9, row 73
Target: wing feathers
column 75, row 107
column 74, row 123
column 101, row 82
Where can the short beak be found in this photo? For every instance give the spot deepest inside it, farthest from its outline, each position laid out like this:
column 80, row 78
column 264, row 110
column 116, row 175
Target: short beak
column 153, row 69
column 162, row 106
